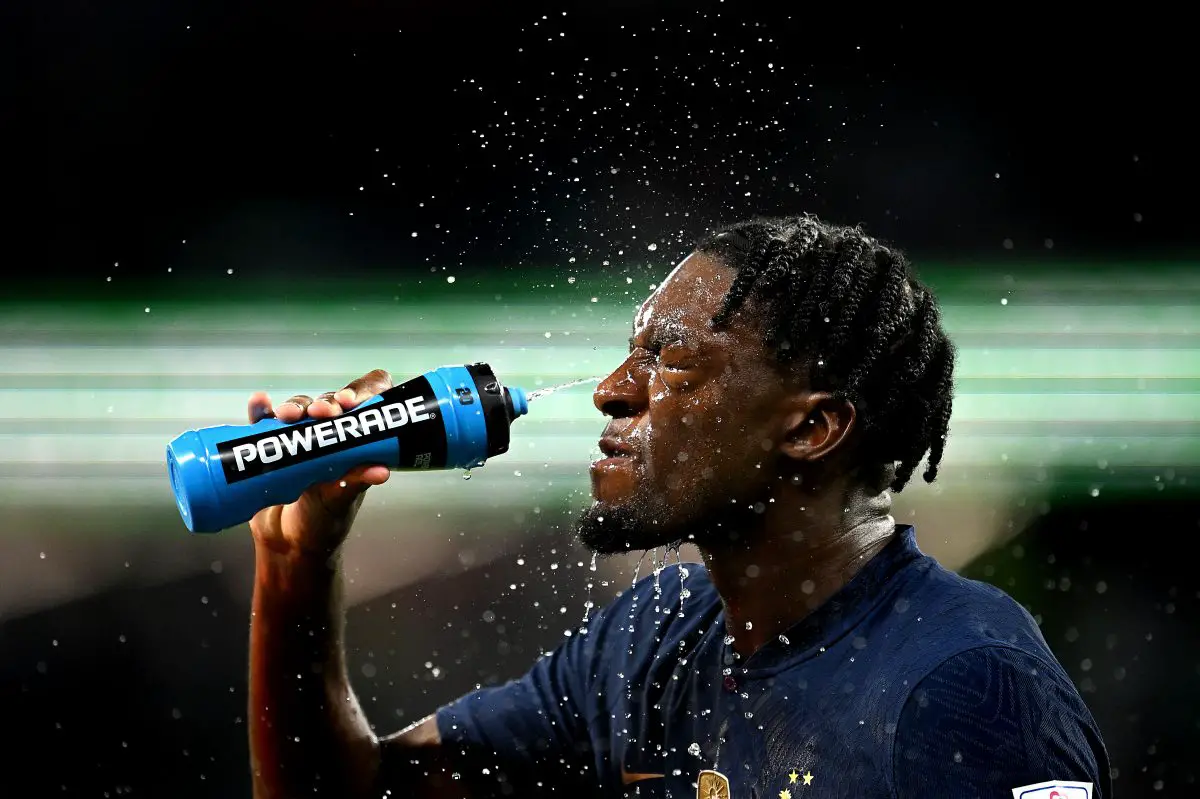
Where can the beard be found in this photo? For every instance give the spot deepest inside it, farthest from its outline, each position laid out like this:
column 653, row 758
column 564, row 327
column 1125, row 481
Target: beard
column 650, row 522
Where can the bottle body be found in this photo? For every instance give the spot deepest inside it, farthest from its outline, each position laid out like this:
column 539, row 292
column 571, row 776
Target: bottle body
column 450, row 417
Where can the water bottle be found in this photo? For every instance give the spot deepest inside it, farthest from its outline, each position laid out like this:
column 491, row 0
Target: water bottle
column 453, row 417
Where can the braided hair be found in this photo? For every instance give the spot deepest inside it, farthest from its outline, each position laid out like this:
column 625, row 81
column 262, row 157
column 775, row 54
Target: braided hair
column 850, row 311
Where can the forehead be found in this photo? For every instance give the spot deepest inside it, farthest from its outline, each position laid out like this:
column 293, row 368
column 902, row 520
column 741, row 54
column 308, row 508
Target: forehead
column 689, row 297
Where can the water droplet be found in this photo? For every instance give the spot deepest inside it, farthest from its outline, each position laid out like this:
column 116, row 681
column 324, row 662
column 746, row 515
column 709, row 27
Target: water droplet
column 694, row 750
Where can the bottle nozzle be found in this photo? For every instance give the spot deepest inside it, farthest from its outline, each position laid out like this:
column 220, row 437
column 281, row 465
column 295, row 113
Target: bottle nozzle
column 517, row 402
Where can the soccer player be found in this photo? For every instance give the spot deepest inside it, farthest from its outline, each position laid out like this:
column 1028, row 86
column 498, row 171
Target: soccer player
column 781, row 383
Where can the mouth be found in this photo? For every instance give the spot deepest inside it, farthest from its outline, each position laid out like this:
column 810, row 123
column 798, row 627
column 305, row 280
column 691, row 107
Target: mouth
column 614, row 451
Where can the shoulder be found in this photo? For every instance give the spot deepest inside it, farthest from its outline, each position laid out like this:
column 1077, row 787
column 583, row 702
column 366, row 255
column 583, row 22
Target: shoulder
column 992, row 677
column 993, row 718
column 944, row 613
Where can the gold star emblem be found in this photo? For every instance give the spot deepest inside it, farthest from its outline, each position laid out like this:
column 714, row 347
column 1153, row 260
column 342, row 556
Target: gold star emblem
column 785, row 794
column 793, row 777
column 807, row 778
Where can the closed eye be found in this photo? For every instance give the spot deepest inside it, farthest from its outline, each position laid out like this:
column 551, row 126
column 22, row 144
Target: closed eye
column 676, row 358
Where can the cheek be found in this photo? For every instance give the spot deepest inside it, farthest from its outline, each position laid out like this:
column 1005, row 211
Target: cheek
column 707, row 437
column 688, row 444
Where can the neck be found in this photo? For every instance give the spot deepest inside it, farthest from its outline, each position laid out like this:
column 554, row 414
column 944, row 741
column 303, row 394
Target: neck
column 810, row 545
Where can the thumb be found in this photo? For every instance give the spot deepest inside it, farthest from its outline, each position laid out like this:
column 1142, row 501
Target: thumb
column 342, row 497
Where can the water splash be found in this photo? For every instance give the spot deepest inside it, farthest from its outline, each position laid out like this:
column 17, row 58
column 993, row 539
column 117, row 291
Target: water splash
column 637, row 571
column 684, row 591
column 658, row 570
column 633, row 603
column 542, row 392
column 588, row 604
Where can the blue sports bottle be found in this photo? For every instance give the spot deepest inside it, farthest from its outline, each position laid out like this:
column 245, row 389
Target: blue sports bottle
column 453, row 417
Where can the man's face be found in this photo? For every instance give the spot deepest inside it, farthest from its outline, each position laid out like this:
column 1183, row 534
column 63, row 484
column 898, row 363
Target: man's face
column 695, row 420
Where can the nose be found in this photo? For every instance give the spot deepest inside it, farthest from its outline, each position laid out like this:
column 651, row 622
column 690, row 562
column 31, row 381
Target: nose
column 621, row 394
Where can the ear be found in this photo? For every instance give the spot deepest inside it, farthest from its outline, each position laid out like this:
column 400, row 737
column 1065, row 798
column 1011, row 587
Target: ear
column 815, row 424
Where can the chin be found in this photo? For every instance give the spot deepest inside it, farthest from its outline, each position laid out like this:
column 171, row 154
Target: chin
column 614, row 529
column 649, row 522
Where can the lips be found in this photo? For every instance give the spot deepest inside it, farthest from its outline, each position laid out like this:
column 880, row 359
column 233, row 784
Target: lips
column 615, row 448
column 615, row 475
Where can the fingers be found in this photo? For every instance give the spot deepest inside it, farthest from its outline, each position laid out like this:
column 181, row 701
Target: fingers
column 326, row 405
column 374, row 382
column 259, row 407
column 294, row 408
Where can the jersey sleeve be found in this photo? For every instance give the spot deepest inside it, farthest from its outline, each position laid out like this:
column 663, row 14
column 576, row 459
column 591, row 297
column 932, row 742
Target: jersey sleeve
column 532, row 736
column 992, row 719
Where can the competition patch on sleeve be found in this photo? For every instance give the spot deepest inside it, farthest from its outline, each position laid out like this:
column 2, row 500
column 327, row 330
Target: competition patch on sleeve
column 1055, row 789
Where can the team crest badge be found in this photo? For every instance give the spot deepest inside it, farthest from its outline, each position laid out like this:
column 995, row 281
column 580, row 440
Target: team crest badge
column 715, row 785
column 1054, row 790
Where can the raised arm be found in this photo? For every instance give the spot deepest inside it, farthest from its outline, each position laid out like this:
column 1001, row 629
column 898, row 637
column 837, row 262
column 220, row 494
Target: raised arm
column 308, row 735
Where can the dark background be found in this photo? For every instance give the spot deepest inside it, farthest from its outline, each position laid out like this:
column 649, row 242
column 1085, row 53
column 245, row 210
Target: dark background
column 205, row 136
column 149, row 123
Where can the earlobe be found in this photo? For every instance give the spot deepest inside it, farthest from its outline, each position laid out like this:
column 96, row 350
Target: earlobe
column 815, row 426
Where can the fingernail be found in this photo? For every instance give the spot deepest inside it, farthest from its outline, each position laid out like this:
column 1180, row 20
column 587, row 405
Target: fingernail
column 345, row 395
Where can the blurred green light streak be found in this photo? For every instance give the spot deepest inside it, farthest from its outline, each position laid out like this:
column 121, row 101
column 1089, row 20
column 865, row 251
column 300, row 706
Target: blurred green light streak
column 1076, row 373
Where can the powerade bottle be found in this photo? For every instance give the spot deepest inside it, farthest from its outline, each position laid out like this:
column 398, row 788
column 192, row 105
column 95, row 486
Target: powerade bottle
column 453, row 417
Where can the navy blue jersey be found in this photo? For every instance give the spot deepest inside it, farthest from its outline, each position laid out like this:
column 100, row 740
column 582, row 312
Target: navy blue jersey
column 910, row 683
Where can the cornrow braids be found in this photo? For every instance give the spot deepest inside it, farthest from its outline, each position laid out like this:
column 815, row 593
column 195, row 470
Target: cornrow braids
column 850, row 310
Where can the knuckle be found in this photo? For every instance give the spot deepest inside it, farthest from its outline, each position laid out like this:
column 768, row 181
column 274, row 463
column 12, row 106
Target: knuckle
column 377, row 380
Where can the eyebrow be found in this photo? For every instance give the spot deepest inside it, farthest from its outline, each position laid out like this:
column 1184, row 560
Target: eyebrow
column 669, row 332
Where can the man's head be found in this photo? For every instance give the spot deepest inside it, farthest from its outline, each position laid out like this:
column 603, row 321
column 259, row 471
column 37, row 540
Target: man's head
column 782, row 355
